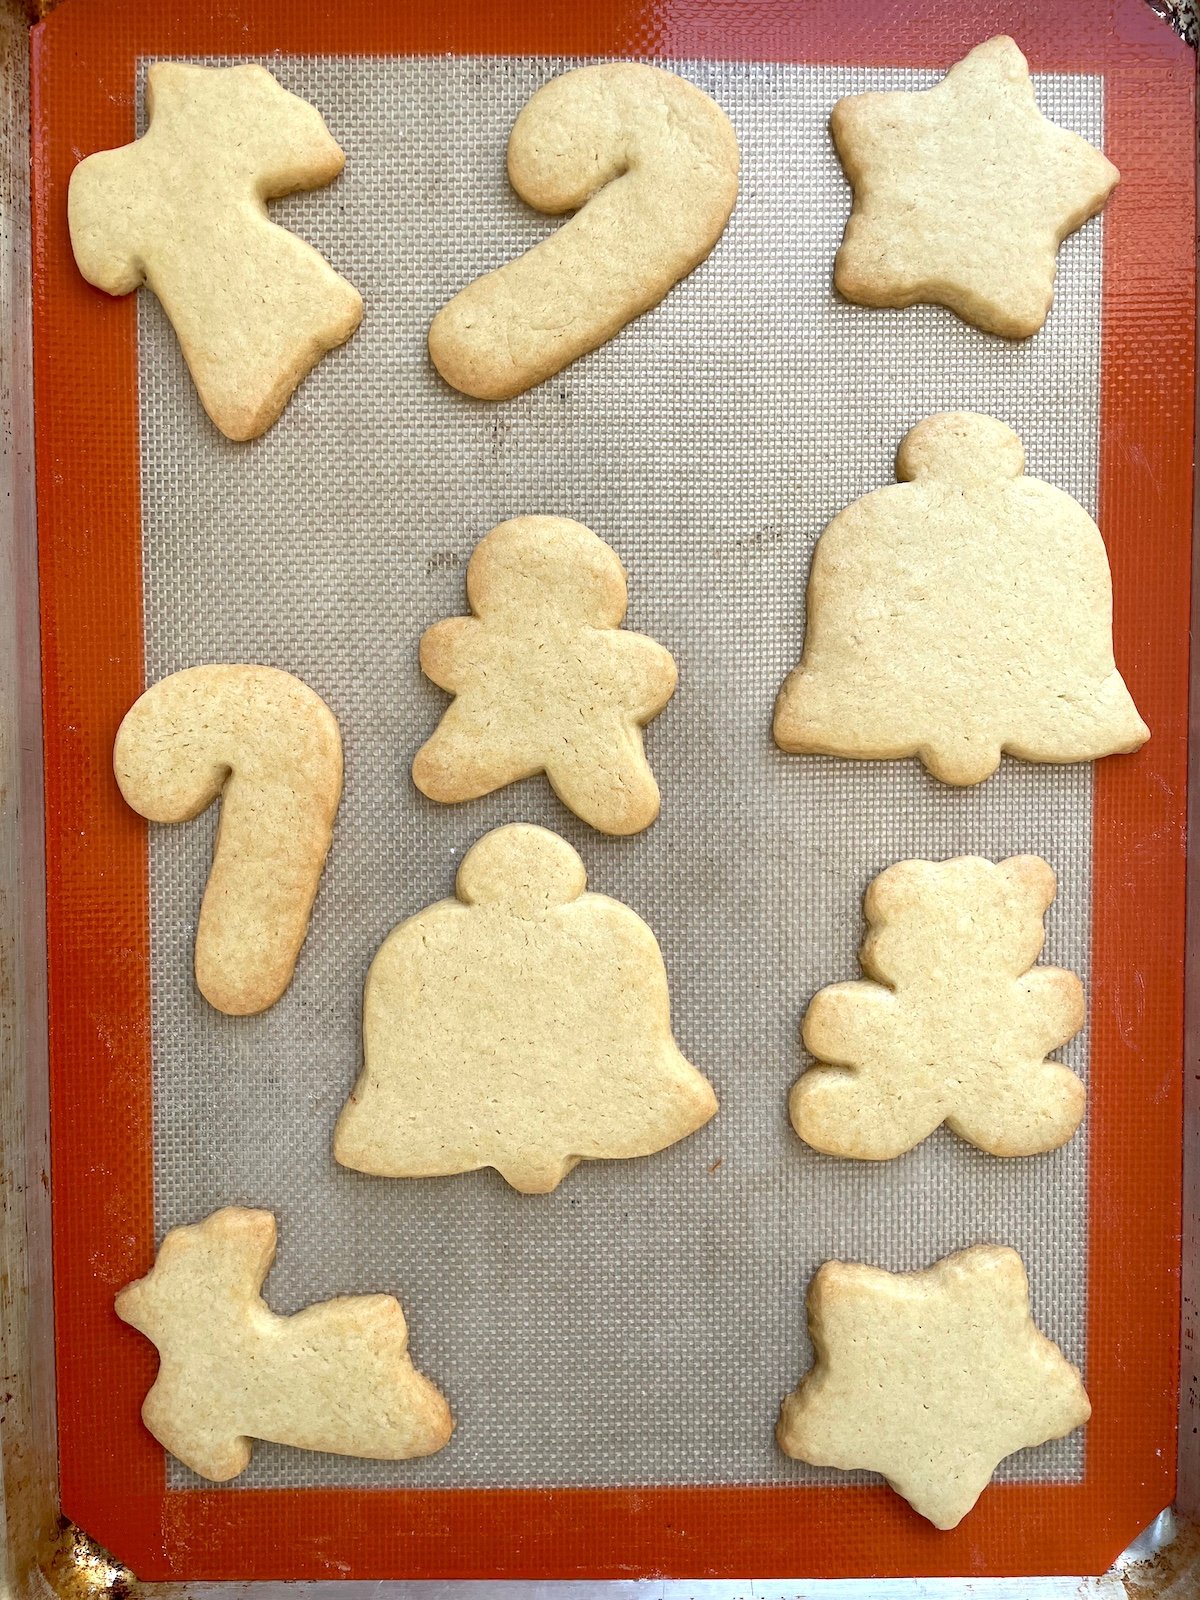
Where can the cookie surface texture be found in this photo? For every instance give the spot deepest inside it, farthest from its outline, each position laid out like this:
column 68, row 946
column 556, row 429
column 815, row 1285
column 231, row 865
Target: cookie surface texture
column 649, row 164
column 336, row 1376
column 930, row 1378
column 524, row 1026
column 545, row 679
column 270, row 749
column 956, row 1025
column 183, row 209
column 963, row 612
column 963, row 194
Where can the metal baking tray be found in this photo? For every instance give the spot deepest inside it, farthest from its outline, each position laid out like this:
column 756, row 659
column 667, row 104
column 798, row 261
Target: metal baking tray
column 66, row 476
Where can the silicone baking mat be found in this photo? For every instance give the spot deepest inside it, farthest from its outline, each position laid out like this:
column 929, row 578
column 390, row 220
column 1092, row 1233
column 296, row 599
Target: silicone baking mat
column 615, row 1353
column 641, row 1324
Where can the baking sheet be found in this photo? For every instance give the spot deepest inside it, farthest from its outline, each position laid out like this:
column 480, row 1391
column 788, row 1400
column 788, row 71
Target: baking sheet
column 641, row 1324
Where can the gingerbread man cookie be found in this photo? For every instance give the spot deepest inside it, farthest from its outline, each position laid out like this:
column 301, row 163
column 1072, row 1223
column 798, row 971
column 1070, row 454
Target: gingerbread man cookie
column 524, row 1026
column 963, row 194
column 183, row 209
column 930, row 1378
column 955, row 1026
column 335, row 1376
column 545, row 679
column 963, row 612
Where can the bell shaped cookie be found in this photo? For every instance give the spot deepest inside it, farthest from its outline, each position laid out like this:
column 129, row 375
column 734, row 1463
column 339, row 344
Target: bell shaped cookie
column 962, row 613
column 545, row 678
column 336, row 1376
column 930, row 1378
column 524, row 1026
column 183, row 209
column 955, row 1026
column 963, row 194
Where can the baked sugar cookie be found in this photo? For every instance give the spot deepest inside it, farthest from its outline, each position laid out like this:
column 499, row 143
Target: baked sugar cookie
column 930, row 1378
column 183, row 209
column 955, row 1026
column 524, row 1026
column 270, row 749
column 649, row 165
column 963, row 194
column 545, row 679
column 336, row 1376
column 963, row 612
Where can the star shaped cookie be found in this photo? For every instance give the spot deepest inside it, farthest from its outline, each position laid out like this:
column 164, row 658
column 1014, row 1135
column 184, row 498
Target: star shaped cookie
column 930, row 1378
column 963, row 194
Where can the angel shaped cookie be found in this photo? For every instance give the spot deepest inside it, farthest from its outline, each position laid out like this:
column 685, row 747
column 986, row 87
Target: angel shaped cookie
column 963, row 194
column 336, row 1376
column 955, row 1025
column 930, row 1378
column 524, row 1026
column 545, row 678
column 183, row 209
column 961, row 613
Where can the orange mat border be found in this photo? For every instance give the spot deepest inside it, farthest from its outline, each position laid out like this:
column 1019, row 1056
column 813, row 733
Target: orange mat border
column 112, row 1472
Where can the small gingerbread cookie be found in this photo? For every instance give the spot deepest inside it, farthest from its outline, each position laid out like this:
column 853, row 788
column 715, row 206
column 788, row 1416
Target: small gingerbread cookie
column 270, row 748
column 963, row 194
column 963, row 612
column 335, row 1376
column 545, row 678
column 956, row 1026
column 183, row 209
column 652, row 164
column 930, row 1378
column 524, row 1026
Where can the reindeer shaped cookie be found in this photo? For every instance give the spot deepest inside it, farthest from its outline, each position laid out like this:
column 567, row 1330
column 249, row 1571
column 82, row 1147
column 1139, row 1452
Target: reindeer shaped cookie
column 336, row 1376
column 545, row 678
column 184, row 210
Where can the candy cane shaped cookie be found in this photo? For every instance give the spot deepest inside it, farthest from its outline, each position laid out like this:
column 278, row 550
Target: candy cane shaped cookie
column 653, row 163
column 270, row 748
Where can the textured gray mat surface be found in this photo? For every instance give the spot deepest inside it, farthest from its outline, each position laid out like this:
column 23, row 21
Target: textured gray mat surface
column 641, row 1324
